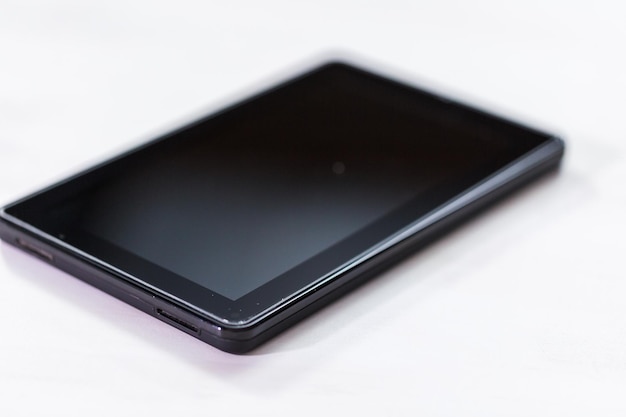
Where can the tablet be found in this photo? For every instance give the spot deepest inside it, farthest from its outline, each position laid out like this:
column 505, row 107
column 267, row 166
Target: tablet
column 236, row 226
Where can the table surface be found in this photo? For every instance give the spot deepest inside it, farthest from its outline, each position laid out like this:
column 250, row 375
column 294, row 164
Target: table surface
column 520, row 312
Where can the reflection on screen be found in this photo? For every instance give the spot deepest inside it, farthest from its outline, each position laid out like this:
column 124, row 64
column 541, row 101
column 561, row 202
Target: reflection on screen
column 237, row 200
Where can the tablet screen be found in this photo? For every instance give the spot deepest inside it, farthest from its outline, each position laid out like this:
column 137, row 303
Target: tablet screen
column 284, row 187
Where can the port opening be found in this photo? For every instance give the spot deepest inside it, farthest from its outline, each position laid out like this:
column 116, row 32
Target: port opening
column 177, row 321
column 34, row 249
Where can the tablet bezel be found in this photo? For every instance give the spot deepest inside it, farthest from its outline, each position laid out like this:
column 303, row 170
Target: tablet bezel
column 304, row 278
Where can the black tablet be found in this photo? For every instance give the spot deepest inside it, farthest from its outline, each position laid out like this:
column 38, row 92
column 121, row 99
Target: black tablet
column 235, row 226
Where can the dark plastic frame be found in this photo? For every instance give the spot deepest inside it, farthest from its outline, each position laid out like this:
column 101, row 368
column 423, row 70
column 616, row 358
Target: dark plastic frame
column 241, row 336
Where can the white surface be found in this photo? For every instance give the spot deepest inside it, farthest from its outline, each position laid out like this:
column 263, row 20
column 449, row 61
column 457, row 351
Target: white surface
column 521, row 312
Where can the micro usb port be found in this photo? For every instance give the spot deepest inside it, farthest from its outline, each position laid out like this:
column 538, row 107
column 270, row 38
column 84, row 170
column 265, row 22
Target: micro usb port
column 177, row 321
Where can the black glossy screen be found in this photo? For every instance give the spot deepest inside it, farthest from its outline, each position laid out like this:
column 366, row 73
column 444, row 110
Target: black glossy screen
column 249, row 195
